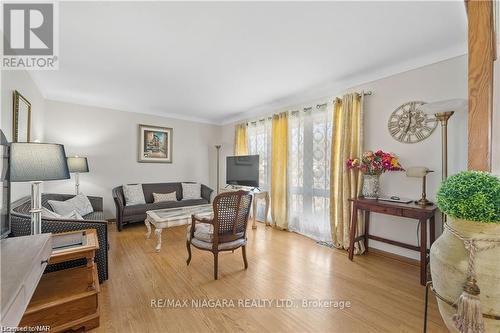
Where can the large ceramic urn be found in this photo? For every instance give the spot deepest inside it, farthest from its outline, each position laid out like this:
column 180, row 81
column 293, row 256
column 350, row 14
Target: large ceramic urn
column 449, row 260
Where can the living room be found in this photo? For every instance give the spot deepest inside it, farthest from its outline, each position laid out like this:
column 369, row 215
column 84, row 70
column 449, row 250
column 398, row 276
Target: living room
column 322, row 139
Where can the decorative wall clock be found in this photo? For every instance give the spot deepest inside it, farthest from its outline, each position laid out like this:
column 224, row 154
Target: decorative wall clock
column 409, row 124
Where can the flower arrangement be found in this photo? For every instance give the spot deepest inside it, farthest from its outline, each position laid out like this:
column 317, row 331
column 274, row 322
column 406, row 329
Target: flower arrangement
column 471, row 195
column 375, row 163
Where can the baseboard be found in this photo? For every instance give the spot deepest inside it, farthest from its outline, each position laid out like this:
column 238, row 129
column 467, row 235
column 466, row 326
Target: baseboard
column 111, row 220
column 393, row 256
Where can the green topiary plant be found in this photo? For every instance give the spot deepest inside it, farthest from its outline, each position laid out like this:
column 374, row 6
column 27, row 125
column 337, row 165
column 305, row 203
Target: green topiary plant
column 471, row 195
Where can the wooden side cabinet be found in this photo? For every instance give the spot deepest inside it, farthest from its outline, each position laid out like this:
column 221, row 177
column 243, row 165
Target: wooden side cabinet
column 67, row 299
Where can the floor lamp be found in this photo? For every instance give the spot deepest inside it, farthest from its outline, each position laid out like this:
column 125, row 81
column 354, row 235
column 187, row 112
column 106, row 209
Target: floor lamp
column 77, row 165
column 35, row 163
column 443, row 110
column 218, row 153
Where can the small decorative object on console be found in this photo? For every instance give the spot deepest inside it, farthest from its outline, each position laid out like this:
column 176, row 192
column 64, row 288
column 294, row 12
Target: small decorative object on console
column 372, row 165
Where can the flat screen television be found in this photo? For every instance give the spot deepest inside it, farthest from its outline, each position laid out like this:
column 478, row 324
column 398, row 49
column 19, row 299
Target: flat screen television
column 242, row 170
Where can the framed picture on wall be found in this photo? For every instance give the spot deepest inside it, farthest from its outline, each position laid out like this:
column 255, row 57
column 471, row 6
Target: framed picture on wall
column 155, row 144
column 21, row 119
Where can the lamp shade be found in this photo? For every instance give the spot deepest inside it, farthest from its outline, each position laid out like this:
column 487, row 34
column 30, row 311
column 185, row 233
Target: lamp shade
column 457, row 104
column 78, row 164
column 37, row 162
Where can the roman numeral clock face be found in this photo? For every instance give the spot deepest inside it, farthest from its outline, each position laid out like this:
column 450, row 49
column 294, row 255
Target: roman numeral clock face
column 409, row 124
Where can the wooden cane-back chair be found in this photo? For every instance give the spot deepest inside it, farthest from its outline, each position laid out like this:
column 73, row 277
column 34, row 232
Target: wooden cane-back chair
column 226, row 231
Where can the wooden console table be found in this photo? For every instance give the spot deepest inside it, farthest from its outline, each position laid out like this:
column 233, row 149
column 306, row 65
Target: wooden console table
column 67, row 299
column 411, row 210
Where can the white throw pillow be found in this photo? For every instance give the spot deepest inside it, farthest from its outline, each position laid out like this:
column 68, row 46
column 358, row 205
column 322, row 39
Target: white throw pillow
column 191, row 191
column 133, row 194
column 79, row 203
column 48, row 214
column 160, row 197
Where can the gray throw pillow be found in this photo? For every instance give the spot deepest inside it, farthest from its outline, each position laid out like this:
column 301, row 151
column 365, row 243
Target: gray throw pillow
column 79, row 203
column 133, row 194
column 191, row 191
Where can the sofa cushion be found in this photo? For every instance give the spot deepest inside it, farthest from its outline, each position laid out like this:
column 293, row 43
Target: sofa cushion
column 95, row 216
column 79, row 203
column 141, row 209
column 133, row 194
column 50, row 215
column 191, row 191
column 161, row 197
column 148, row 190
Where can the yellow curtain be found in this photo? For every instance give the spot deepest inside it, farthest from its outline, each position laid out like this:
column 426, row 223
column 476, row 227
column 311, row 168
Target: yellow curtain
column 240, row 140
column 279, row 181
column 347, row 142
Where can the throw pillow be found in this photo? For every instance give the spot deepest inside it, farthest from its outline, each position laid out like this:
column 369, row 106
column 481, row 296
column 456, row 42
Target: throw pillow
column 133, row 194
column 49, row 215
column 160, row 197
column 79, row 203
column 191, row 191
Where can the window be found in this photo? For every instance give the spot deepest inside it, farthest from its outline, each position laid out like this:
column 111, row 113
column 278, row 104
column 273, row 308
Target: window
column 259, row 143
column 310, row 136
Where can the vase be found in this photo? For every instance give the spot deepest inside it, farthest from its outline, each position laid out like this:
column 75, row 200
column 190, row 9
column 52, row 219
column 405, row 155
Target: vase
column 448, row 264
column 371, row 186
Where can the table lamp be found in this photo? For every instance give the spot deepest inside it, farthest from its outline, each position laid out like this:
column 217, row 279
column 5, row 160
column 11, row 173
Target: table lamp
column 420, row 172
column 35, row 163
column 77, row 165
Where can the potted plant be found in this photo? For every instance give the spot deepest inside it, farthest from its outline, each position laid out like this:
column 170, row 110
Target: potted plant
column 464, row 260
column 372, row 165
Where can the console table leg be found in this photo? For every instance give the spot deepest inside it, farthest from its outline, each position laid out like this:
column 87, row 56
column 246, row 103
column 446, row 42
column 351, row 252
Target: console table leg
column 432, row 230
column 352, row 236
column 423, row 251
column 266, row 198
column 158, row 239
column 254, row 212
column 367, row 228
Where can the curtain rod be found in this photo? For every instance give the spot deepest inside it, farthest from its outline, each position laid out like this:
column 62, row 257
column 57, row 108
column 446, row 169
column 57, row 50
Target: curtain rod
column 310, row 108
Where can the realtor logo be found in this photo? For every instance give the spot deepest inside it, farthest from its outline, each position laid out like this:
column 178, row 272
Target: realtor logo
column 29, row 36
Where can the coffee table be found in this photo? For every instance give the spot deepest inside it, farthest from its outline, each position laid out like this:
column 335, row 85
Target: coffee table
column 170, row 217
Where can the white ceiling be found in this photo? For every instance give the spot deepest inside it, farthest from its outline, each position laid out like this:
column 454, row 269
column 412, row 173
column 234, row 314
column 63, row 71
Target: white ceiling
column 212, row 61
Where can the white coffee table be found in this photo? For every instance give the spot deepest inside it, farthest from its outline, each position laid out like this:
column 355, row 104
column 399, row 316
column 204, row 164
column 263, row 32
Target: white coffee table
column 171, row 217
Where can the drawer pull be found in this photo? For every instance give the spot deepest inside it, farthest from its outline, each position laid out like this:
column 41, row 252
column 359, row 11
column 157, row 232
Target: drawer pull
column 46, row 261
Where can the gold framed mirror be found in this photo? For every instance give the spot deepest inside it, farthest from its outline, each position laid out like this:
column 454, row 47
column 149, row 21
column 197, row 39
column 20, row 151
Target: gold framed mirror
column 22, row 118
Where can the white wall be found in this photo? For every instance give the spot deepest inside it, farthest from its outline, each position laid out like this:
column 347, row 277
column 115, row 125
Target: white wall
column 21, row 81
column 109, row 139
column 440, row 81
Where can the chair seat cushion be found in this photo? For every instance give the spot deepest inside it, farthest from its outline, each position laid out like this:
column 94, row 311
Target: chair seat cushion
column 203, row 238
column 222, row 246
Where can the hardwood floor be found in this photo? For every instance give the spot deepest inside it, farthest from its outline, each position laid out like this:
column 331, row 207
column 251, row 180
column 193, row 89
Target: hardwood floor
column 385, row 293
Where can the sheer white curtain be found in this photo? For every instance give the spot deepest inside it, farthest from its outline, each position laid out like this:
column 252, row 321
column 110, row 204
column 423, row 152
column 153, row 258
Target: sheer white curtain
column 259, row 143
column 310, row 137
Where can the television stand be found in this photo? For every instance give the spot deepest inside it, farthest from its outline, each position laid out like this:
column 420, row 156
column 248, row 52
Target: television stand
column 261, row 195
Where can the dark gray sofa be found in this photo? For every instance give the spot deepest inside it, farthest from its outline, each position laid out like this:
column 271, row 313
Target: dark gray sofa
column 137, row 213
column 21, row 226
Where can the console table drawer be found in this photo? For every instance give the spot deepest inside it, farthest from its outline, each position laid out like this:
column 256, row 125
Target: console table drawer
column 383, row 210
